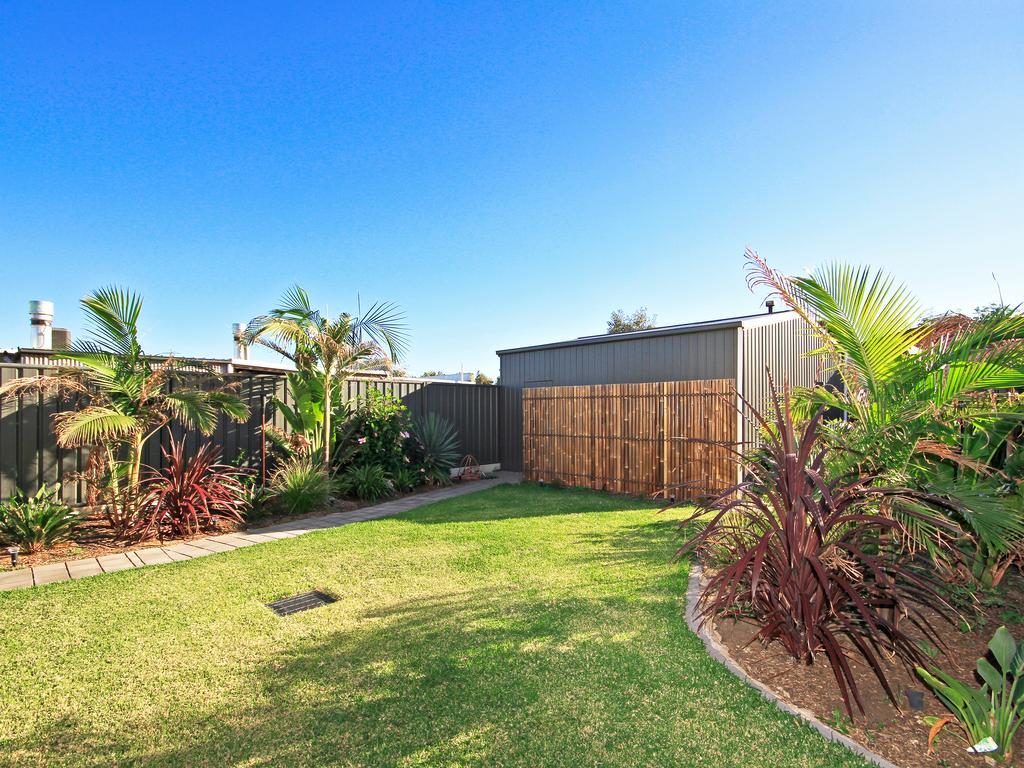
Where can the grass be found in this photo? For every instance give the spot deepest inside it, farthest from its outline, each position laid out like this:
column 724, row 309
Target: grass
column 520, row 626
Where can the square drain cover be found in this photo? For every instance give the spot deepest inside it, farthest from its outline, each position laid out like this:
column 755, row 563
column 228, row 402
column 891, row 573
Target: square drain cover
column 303, row 602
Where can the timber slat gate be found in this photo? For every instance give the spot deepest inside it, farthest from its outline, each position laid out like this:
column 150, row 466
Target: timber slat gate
column 625, row 438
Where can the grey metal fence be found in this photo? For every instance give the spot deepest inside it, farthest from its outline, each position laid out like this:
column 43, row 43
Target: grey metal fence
column 30, row 456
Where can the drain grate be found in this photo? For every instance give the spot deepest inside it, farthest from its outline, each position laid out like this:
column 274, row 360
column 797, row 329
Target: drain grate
column 303, row 602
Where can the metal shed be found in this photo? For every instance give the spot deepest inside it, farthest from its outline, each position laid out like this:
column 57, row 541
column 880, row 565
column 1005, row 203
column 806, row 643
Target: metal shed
column 742, row 349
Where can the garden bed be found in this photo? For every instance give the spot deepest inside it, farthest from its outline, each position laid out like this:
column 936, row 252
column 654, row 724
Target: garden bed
column 96, row 539
column 900, row 736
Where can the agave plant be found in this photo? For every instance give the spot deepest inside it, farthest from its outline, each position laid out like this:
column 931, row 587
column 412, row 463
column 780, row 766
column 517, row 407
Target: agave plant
column 329, row 350
column 191, row 495
column 810, row 556
column 990, row 716
column 912, row 389
column 123, row 397
column 436, row 448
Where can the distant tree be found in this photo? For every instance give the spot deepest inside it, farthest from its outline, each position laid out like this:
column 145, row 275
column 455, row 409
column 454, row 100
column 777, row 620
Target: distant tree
column 428, row 374
column 482, row 378
column 620, row 322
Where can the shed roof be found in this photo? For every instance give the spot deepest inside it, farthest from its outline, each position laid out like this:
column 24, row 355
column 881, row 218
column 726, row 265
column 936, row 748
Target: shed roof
column 743, row 321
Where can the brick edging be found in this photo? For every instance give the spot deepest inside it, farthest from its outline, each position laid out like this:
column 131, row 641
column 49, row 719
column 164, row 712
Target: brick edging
column 712, row 642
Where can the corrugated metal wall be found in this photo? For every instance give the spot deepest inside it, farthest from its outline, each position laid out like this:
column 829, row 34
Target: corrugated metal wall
column 781, row 349
column 707, row 354
column 29, row 455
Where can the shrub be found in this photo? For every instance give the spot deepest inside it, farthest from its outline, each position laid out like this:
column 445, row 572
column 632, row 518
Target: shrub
column 996, row 710
column 377, row 433
column 368, row 482
column 38, row 521
column 190, row 495
column 435, row 448
column 811, row 560
column 300, row 485
column 405, row 479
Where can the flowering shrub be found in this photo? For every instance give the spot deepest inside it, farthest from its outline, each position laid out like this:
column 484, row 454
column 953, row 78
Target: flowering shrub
column 378, row 433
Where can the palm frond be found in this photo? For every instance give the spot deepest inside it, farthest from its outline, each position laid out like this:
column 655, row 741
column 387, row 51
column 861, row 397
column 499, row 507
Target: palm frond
column 112, row 316
column 384, row 323
column 92, row 425
column 192, row 408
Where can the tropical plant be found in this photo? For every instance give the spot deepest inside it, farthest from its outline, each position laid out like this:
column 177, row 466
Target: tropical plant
column 989, row 716
column 304, row 415
column 405, row 479
column 329, row 350
column 809, row 555
column 300, row 485
column 911, row 391
column 38, row 521
column 377, row 432
column 123, row 397
column 435, row 448
column 191, row 494
column 367, row 482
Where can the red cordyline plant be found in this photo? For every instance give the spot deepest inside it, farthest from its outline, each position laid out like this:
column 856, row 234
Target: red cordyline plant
column 190, row 495
column 818, row 562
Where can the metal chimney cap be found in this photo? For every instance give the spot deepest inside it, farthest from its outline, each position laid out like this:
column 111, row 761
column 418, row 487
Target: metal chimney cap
column 771, row 306
column 41, row 308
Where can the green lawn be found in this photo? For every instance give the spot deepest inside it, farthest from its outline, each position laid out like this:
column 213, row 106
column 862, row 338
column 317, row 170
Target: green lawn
column 519, row 626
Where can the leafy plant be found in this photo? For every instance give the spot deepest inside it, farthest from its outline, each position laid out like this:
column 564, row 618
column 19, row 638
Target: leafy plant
column 122, row 397
column 327, row 350
column 996, row 710
column 435, row 448
column 300, row 485
column 812, row 558
column 377, row 432
column 190, row 495
column 368, row 482
column 304, row 416
column 915, row 392
column 38, row 521
column 405, row 479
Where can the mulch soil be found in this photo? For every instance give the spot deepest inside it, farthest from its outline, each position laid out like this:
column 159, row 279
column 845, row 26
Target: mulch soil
column 898, row 734
column 96, row 539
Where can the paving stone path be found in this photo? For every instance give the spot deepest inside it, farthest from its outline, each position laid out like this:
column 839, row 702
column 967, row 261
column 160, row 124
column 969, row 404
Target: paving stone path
column 92, row 566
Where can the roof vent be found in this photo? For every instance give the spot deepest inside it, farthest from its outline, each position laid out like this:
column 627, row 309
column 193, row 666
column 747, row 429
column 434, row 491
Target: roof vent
column 771, row 306
column 40, row 315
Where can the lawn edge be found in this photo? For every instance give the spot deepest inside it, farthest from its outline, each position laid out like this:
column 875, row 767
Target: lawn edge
column 717, row 651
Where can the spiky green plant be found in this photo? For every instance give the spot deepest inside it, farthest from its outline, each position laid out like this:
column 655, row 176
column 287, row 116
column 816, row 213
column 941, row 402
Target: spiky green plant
column 123, row 397
column 435, row 448
column 300, row 485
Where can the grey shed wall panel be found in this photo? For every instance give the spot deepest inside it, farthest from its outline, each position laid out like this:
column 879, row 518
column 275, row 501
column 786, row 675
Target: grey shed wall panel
column 707, row 354
column 783, row 350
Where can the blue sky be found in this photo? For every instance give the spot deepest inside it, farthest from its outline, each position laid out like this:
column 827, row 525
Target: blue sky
column 508, row 173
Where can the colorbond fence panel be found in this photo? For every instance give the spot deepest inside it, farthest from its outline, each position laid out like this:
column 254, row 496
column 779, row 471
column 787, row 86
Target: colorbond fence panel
column 632, row 438
column 29, row 454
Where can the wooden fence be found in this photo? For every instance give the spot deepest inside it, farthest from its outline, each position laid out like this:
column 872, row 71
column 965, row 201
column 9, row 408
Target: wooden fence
column 29, row 455
column 625, row 438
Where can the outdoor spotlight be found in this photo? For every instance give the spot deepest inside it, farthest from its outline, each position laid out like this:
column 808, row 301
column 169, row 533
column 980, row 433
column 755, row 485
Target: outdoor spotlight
column 541, row 481
column 13, row 552
column 672, row 499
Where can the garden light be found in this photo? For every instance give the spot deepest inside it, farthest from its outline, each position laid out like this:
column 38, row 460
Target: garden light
column 13, row 552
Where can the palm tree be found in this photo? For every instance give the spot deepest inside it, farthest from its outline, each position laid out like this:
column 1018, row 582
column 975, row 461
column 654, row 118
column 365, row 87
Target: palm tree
column 913, row 389
column 330, row 349
column 124, row 397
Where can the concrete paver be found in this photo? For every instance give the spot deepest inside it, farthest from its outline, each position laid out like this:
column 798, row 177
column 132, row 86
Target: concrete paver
column 227, row 542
